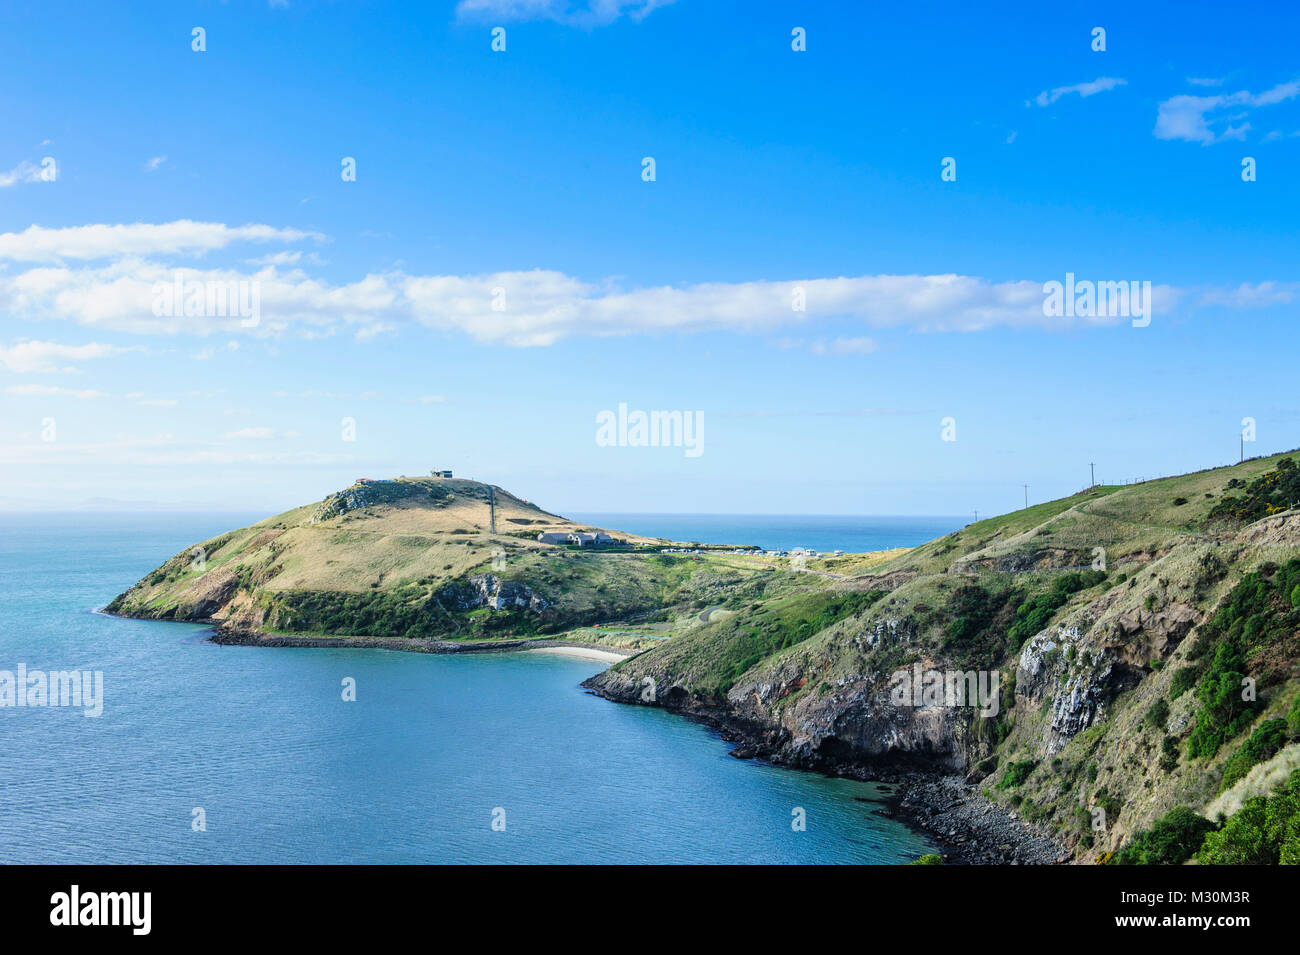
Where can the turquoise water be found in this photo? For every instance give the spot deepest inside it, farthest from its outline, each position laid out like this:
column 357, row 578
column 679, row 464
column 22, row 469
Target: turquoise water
column 853, row 535
column 285, row 771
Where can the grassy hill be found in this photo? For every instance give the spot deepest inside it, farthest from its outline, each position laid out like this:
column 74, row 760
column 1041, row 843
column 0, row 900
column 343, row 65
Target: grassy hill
column 1123, row 624
column 1144, row 638
column 415, row 557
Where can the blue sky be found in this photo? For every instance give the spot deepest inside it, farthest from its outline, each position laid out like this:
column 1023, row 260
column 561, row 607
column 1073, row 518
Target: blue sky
column 521, row 170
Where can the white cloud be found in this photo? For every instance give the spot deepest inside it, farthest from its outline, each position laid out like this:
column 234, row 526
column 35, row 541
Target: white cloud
column 51, row 391
column 592, row 13
column 540, row 306
column 1254, row 295
column 257, row 434
column 1099, row 85
column 1194, row 118
column 24, row 172
column 204, row 354
column 36, row 244
column 845, row 346
column 38, row 357
column 153, row 164
column 1204, row 81
column 536, row 308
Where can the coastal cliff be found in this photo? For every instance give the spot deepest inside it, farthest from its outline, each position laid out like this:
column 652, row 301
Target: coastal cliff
column 1054, row 684
column 1118, row 625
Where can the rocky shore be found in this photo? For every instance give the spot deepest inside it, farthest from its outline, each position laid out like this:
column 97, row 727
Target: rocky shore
column 969, row 828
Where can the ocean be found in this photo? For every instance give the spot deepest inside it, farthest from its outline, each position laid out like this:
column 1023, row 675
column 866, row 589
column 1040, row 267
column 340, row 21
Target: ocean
column 210, row 754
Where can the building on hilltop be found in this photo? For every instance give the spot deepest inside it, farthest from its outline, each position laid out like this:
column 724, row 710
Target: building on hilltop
column 441, row 474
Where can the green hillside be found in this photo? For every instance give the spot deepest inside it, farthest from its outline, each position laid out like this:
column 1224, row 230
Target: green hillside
column 1120, row 622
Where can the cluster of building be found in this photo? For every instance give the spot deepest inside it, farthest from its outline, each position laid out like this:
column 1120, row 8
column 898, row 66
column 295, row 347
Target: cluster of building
column 797, row 552
column 580, row 538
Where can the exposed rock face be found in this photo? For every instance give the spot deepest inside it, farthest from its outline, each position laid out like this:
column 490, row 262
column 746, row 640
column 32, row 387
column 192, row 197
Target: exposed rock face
column 489, row 590
column 1076, row 675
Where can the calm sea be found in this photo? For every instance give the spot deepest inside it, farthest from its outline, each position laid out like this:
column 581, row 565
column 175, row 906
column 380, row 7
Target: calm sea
column 413, row 771
column 853, row 535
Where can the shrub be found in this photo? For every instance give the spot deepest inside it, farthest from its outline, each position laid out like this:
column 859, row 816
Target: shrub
column 1265, row 831
column 1110, row 804
column 1270, row 493
column 1036, row 612
column 1172, row 839
column 978, row 634
column 1263, row 744
column 1179, row 501
column 1158, row 715
column 1254, row 617
column 1017, row 773
column 1184, row 679
column 928, row 859
column 1169, row 754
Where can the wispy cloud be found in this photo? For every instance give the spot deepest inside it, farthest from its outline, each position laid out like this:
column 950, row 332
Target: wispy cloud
column 258, row 434
column 153, row 164
column 844, row 346
column 1099, row 85
column 540, row 307
column 52, row 391
column 182, row 237
column 24, row 172
column 39, row 357
column 589, row 14
column 1213, row 119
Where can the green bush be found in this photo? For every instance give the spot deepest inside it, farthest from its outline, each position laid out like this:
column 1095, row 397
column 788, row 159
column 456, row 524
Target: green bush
column 977, row 633
column 1017, row 773
column 928, row 859
column 1265, row 831
column 1270, row 493
column 1263, row 744
column 1255, row 616
column 1169, row 754
column 1172, row 839
column 1158, row 715
column 1184, row 679
column 1036, row 613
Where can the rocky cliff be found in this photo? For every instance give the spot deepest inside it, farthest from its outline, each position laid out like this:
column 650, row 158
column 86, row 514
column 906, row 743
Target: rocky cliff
column 1093, row 734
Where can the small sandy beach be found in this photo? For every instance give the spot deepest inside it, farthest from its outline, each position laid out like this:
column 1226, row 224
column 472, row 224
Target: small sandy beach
column 586, row 653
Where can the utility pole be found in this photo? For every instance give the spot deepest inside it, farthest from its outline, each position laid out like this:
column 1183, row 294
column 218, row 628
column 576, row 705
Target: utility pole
column 1093, row 469
column 977, row 515
column 492, row 508
column 1243, row 449
column 1026, row 487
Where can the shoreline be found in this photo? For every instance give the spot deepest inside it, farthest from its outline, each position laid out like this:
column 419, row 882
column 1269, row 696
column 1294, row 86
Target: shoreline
column 239, row 637
column 968, row 828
